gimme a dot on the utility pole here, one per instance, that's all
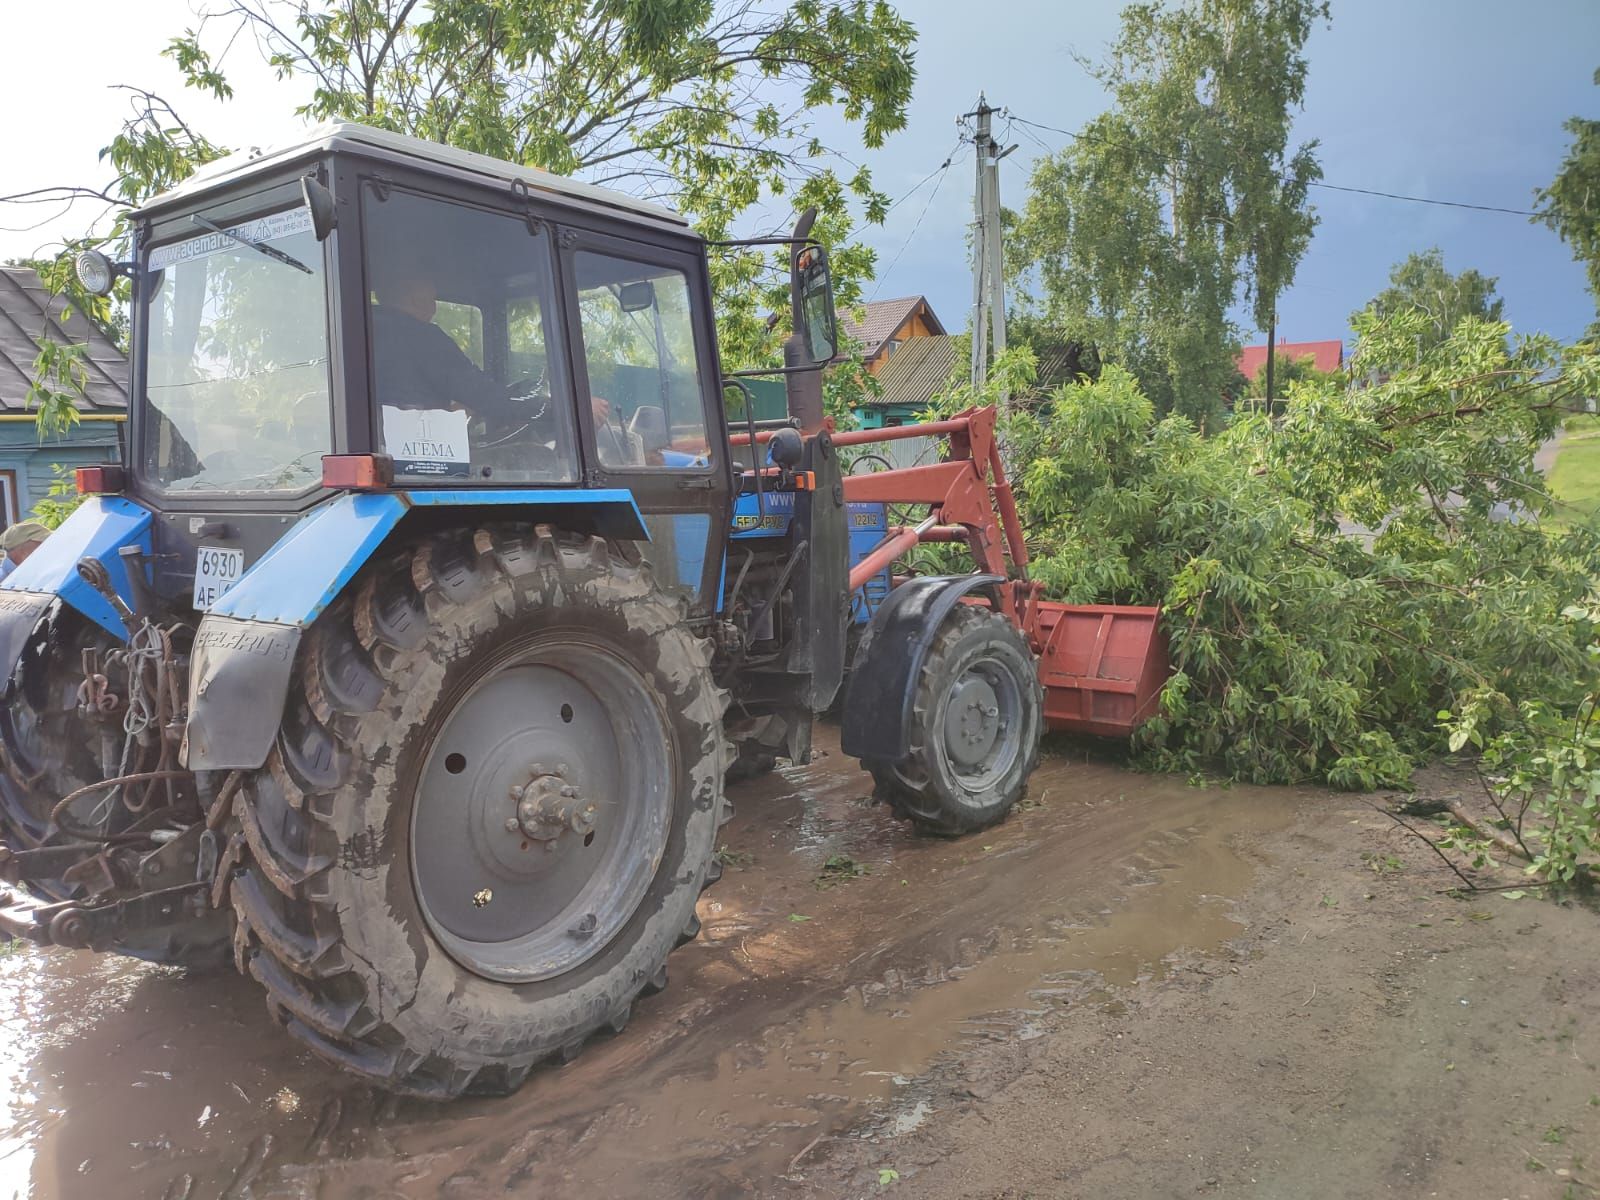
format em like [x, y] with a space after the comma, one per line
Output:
[988, 267]
[1272, 353]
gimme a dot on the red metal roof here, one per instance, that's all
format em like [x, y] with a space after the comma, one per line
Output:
[1325, 356]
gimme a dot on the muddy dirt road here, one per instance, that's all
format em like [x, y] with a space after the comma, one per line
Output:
[1131, 988]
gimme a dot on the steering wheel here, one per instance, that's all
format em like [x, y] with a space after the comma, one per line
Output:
[516, 433]
[522, 409]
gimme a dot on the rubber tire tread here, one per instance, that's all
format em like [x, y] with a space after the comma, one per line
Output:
[298, 934]
[914, 788]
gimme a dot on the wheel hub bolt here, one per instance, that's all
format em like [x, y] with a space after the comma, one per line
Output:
[547, 807]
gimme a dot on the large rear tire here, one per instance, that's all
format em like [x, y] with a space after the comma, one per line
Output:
[975, 725]
[489, 812]
[49, 752]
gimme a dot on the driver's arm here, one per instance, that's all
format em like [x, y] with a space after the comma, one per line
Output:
[457, 377]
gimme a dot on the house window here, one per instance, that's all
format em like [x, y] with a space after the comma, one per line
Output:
[8, 498]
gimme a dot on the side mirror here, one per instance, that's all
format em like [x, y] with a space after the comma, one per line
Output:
[636, 297]
[811, 288]
[649, 425]
[320, 201]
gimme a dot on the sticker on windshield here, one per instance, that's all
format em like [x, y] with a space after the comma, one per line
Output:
[427, 441]
[264, 229]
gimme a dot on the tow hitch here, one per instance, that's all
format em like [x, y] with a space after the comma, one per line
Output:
[94, 925]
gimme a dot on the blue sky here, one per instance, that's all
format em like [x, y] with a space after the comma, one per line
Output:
[1454, 99]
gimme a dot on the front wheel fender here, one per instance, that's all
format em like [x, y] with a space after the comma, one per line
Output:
[883, 677]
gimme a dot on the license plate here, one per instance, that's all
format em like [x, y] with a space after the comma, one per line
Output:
[216, 569]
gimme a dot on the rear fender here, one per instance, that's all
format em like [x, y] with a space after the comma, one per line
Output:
[883, 677]
[245, 647]
[99, 529]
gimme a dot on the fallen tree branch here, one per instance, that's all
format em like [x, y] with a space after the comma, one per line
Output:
[1426, 841]
[1497, 837]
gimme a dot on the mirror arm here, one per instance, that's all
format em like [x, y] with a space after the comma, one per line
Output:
[767, 241]
[761, 372]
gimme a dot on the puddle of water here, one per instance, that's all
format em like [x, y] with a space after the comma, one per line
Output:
[775, 1035]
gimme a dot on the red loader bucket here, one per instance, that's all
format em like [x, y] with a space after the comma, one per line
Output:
[1102, 666]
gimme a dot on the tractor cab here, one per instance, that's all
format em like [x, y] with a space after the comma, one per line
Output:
[366, 310]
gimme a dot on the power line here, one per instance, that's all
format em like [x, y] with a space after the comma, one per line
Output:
[1516, 212]
[942, 167]
[1335, 187]
[943, 171]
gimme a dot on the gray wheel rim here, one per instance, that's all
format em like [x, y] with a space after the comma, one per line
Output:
[542, 811]
[982, 724]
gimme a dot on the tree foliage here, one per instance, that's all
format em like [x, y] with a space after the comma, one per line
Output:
[153, 150]
[703, 104]
[1181, 200]
[1334, 578]
[1421, 284]
[1571, 204]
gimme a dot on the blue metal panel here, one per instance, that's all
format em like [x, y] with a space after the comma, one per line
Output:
[691, 533]
[612, 511]
[868, 523]
[770, 519]
[295, 580]
[299, 577]
[100, 527]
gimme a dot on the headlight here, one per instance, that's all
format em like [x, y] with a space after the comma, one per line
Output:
[95, 272]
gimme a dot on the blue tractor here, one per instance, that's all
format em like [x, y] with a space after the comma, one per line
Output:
[405, 654]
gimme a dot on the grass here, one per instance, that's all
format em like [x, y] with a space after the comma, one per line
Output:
[1575, 477]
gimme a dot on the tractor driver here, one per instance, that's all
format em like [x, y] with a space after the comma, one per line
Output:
[419, 365]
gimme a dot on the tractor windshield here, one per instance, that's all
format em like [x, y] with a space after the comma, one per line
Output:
[236, 382]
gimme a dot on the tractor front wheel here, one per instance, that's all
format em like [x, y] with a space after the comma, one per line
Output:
[489, 813]
[975, 724]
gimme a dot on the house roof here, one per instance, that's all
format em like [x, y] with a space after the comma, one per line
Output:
[915, 372]
[921, 368]
[1326, 356]
[29, 314]
[881, 318]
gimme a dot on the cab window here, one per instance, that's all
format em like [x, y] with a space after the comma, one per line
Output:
[464, 324]
[461, 317]
[644, 375]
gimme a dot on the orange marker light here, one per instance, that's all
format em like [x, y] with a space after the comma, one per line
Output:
[357, 472]
[103, 480]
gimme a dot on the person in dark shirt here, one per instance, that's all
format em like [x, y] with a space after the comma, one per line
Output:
[419, 365]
